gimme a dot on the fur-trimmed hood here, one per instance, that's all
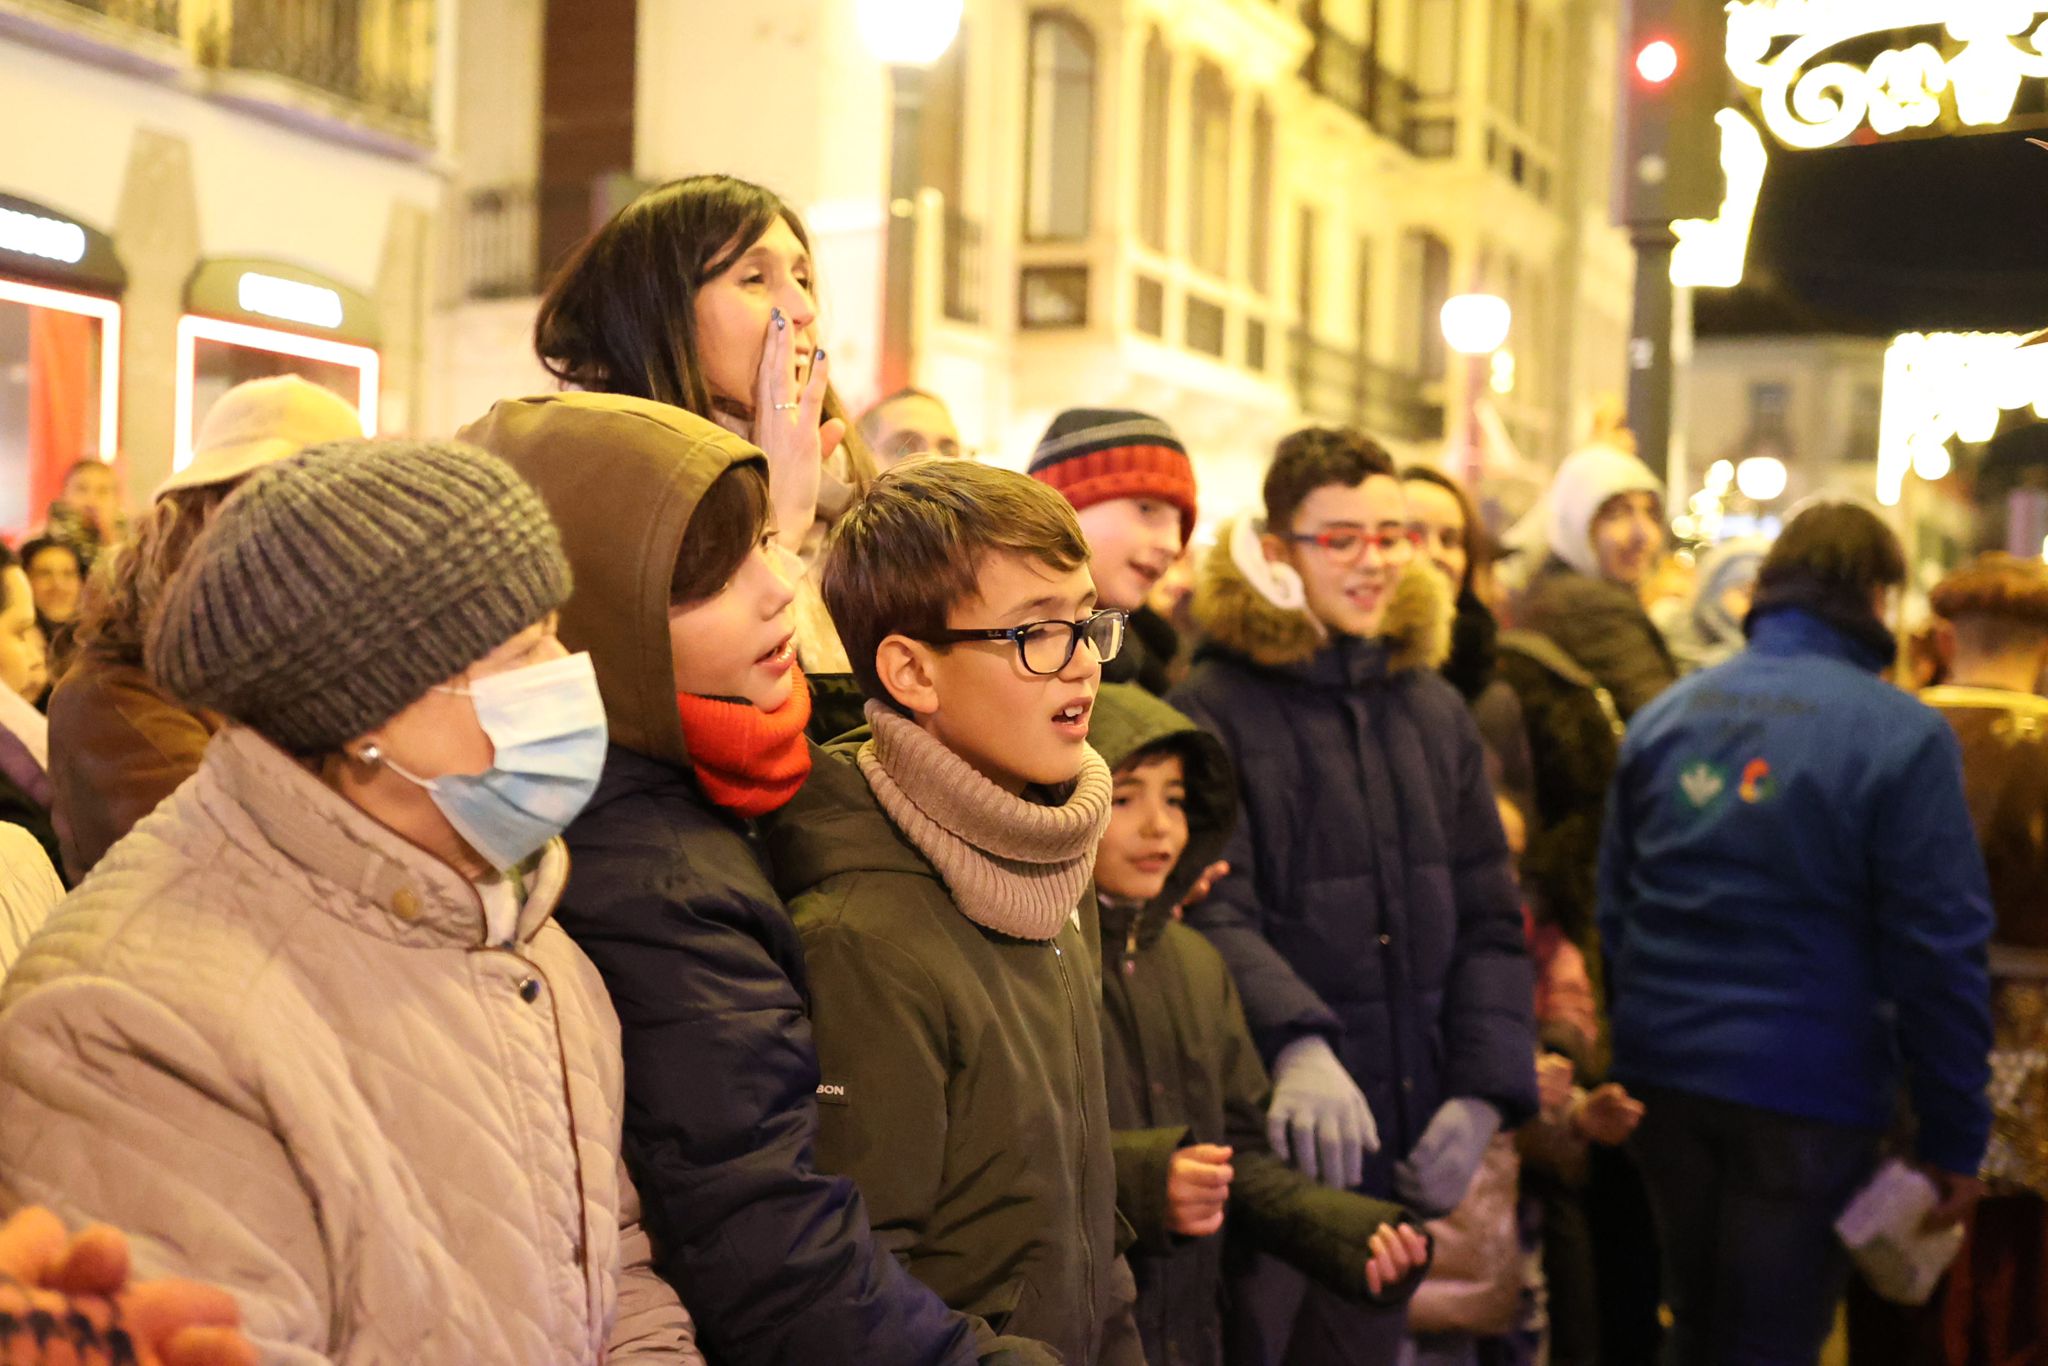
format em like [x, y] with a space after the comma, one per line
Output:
[1251, 606]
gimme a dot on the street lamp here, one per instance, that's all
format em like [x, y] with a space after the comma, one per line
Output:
[906, 36]
[1762, 478]
[908, 32]
[1475, 326]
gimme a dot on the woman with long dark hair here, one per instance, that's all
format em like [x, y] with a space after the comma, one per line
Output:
[702, 294]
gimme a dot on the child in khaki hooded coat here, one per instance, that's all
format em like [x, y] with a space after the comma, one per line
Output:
[687, 614]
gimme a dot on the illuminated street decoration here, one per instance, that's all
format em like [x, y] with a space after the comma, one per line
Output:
[1711, 251]
[1776, 49]
[1948, 385]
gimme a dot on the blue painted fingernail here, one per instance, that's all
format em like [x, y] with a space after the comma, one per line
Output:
[776, 314]
[817, 355]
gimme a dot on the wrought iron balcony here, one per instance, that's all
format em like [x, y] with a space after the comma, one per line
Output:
[379, 56]
[1344, 71]
[1341, 385]
[157, 16]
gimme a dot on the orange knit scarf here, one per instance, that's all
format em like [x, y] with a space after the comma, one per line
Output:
[749, 761]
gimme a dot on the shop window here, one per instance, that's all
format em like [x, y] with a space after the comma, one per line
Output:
[59, 393]
[215, 355]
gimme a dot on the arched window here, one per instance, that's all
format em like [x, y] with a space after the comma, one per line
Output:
[1060, 128]
[1259, 205]
[1209, 172]
[1158, 109]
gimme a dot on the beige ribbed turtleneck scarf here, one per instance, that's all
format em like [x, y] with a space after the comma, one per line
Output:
[1012, 865]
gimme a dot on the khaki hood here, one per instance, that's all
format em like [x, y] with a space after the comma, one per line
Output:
[1254, 608]
[622, 478]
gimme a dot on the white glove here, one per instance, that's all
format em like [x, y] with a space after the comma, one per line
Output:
[1319, 1115]
[1439, 1171]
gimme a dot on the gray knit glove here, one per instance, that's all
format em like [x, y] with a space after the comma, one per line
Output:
[1439, 1171]
[1319, 1118]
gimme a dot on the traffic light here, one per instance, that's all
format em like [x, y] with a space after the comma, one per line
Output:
[1674, 80]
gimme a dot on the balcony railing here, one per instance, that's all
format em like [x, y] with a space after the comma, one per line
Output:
[1343, 70]
[1340, 385]
[379, 56]
[964, 272]
[510, 238]
[157, 16]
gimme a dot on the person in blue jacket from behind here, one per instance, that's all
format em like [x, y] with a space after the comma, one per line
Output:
[1795, 915]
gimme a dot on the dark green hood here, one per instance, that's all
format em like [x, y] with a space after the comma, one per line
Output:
[1126, 720]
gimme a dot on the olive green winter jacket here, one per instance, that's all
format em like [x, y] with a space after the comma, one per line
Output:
[961, 1077]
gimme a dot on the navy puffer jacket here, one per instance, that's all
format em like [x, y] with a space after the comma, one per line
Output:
[1371, 898]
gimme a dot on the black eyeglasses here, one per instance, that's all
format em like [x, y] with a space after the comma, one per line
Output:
[1047, 647]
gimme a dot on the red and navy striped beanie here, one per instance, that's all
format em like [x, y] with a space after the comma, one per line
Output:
[1093, 455]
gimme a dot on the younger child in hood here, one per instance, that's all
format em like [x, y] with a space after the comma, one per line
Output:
[688, 618]
[1187, 1092]
[939, 875]
[1133, 487]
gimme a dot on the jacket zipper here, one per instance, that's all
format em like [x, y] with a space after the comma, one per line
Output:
[1081, 1099]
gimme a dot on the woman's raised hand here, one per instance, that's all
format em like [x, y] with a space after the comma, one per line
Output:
[791, 430]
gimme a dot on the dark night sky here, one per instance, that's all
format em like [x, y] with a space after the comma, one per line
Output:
[1929, 234]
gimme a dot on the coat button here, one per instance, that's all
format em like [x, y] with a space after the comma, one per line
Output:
[529, 990]
[1386, 940]
[406, 904]
[1408, 1084]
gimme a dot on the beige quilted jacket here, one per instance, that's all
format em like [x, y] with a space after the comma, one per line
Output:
[265, 1038]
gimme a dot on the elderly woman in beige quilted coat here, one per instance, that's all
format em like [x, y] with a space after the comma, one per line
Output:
[309, 1031]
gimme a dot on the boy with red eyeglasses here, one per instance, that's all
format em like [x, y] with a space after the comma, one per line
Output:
[1370, 916]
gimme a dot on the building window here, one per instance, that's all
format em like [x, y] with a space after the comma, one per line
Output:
[1259, 205]
[1052, 296]
[1305, 230]
[1151, 307]
[1151, 187]
[1362, 298]
[1543, 77]
[944, 126]
[1209, 173]
[1060, 124]
[1433, 47]
[1428, 270]
[1206, 322]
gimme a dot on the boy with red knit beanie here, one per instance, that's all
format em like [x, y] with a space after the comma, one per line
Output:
[1130, 481]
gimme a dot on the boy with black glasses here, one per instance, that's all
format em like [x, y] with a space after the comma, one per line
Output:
[940, 880]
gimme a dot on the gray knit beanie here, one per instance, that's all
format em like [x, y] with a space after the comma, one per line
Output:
[337, 586]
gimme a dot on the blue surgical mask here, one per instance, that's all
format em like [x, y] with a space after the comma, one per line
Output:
[547, 725]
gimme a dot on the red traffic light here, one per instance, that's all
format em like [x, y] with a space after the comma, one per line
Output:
[1657, 62]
